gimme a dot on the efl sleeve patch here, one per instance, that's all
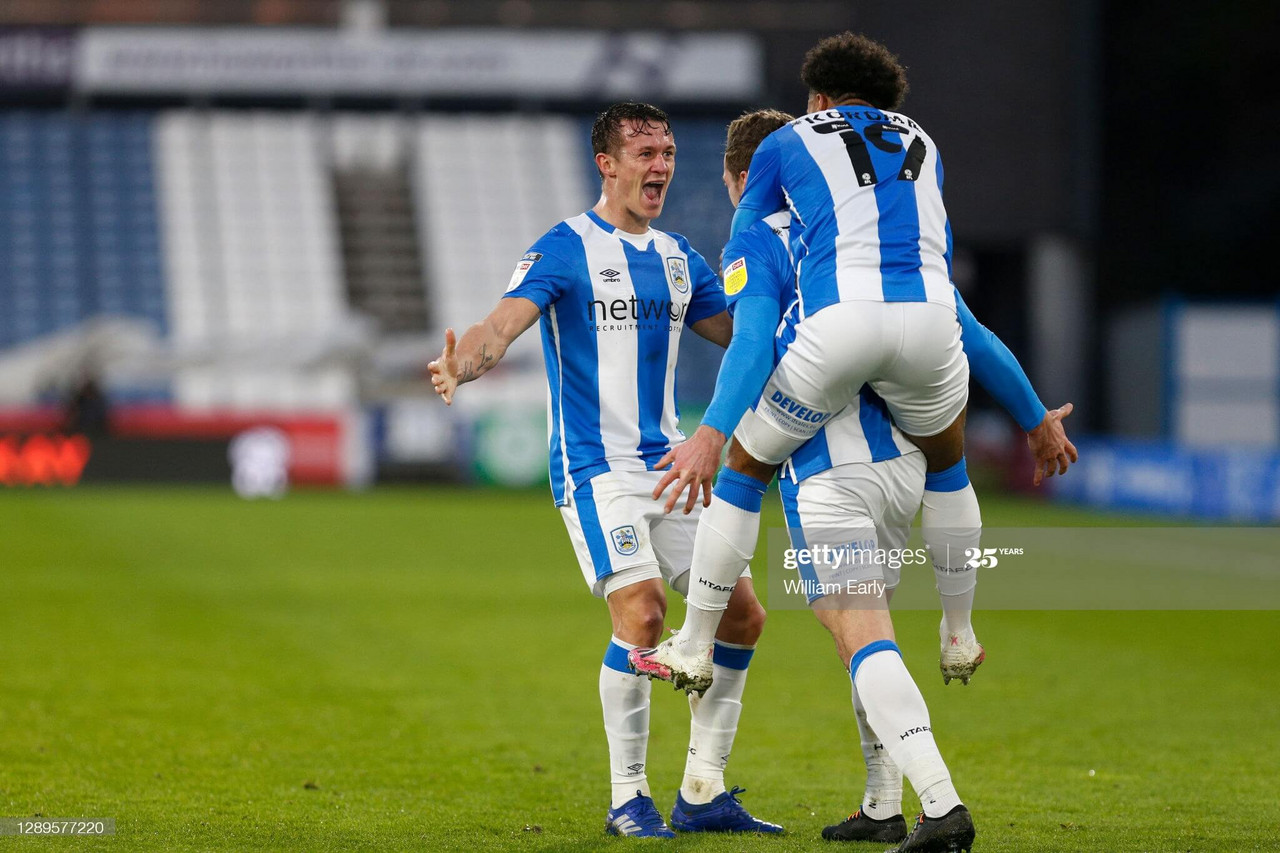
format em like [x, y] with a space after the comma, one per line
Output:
[735, 277]
[522, 269]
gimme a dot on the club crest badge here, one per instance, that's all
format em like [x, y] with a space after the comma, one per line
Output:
[625, 541]
[679, 275]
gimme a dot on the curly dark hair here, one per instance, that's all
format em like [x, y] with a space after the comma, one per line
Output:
[853, 66]
[607, 131]
[746, 132]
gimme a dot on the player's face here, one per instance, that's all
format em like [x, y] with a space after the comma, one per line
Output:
[642, 170]
[735, 184]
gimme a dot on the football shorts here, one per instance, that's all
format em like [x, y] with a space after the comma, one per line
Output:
[621, 535]
[909, 352]
[853, 521]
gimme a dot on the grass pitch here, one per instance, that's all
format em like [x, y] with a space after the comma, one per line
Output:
[416, 669]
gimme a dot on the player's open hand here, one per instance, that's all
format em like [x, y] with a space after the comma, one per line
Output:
[1053, 451]
[693, 465]
[444, 370]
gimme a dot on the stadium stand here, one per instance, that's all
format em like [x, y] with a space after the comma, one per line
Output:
[488, 187]
[78, 227]
[252, 258]
[378, 222]
[251, 239]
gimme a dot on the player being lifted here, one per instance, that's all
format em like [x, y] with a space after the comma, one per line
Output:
[875, 305]
[858, 479]
[614, 295]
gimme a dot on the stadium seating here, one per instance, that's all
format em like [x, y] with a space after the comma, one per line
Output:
[78, 224]
[252, 256]
[381, 255]
[221, 229]
[488, 187]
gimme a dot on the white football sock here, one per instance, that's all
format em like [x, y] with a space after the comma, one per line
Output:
[957, 612]
[624, 696]
[896, 711]
[951, 524]
[714, 724]
[883, 795]
[722, 550]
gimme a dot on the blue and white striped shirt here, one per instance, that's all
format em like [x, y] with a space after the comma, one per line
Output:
[866, 184]
[613, 307]
[758, 265]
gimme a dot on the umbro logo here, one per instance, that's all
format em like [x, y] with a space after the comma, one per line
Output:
[635, 768]
[609, 274]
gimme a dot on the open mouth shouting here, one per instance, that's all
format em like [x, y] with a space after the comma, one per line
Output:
[653, 191]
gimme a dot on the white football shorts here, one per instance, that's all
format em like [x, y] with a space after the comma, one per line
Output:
[622, 536]
[854, 521]
[909, 352]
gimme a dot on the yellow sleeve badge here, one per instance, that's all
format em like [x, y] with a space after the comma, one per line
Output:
[735, 277]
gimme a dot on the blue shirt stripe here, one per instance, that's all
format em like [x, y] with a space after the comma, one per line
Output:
[876, 426]
[899, 231]
[554, 378]
[812, 457]
[580, 387]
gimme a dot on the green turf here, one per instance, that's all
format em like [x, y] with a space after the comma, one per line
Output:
[416, 669]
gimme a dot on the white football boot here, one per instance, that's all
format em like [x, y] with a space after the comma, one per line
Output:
[669, 662]
[961, 656]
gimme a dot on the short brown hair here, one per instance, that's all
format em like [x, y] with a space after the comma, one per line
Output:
[607, 132]
[746, 132]
[854, 66]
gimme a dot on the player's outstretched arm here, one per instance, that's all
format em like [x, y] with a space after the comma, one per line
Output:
[997, 370]
[482, 346]
[1053, 451]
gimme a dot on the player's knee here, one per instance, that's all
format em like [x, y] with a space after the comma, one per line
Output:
[638, 612]
[645, 623]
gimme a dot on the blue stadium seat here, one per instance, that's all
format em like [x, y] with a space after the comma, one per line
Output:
[79, 229]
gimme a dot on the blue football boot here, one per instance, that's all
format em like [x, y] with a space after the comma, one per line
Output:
[723, 814]
[637, 817]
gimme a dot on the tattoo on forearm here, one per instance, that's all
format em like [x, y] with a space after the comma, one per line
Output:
[469, 370]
